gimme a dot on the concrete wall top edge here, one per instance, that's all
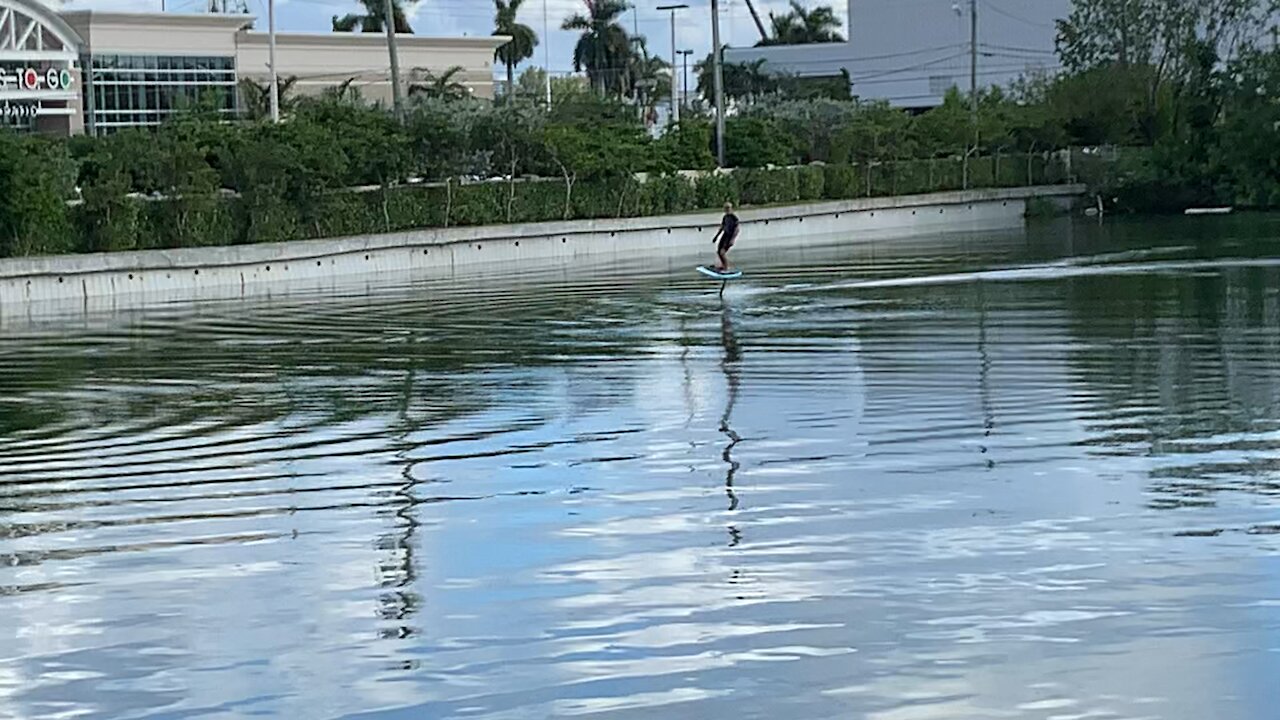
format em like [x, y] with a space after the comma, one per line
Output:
[245, 255]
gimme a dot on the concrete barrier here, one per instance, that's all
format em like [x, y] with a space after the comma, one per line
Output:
[32, 286]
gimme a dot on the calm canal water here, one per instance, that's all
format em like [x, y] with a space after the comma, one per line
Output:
[999, 475]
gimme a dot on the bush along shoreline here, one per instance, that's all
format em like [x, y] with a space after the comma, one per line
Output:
[196, 183]
[113, 224]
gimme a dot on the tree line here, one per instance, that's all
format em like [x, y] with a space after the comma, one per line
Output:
[1193, 86]
[342, 166]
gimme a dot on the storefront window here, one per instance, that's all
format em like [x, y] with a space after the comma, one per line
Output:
[143, 90]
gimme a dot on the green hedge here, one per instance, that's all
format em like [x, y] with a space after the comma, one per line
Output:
[108, 220]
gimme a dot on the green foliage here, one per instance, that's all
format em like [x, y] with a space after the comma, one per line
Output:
[764, 187]
[667, 194]
[715, 189]
[109, 218]
[753, 142]
[802, 26]
[841, 182]
[440, 138]
[811, 183]
[604, 47]
[442, 86]
[1250, 131]
[523, 39]
[596, 151]
[373, 19]
[35, 181]
[686, 146]
[370, 140]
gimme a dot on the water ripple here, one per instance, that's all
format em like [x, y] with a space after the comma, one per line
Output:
[1023, 475]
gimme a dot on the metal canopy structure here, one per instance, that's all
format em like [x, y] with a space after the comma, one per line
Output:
[38, 77]
[30, 31]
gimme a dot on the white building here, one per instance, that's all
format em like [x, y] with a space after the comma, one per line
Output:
[68, 72]
[910, 52]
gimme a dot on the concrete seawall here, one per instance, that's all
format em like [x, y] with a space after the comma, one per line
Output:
[34, 286]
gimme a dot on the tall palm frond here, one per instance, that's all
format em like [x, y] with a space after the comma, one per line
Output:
[523, 38]
[373, 19]
[444, 86]
[604, 47]
[802, 26]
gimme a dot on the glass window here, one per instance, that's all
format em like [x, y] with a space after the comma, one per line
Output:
[138, 90]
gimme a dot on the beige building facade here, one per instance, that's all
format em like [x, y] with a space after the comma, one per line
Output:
[96, 72]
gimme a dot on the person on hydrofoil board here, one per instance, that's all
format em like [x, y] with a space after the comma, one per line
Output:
[725, 237]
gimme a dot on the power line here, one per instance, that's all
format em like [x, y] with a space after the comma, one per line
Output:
[862, 58]
[1000, 11]
[1037, 51]
[990, 71]
[906, 69]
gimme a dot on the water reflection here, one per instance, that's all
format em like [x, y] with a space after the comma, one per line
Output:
[731, 366]
[1022, 475]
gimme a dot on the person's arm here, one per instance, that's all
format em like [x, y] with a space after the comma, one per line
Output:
[716, 238]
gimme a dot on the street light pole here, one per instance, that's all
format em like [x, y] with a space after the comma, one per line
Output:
[684, 86]
[271, 60]
[719, 80]
[675, 106]
[397, 104]
[973, 60]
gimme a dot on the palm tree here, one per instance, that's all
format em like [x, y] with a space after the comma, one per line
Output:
[742, 81]
[523, 39]
[647, 76]
[255, 97]
[802, 26]
[604, 48]
[373, 19]
[343, 92]
[443, 86]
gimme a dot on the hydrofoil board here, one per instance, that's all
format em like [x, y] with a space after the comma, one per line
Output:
[717, 275]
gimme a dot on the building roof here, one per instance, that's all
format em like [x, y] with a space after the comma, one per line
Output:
[233, 22]
[33, 30]
[491, 42]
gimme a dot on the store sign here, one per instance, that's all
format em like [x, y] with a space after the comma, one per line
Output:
[11, 111]
[33, 80]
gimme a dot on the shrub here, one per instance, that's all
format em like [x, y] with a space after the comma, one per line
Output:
[752, 142]
[35, 181]
[811, 183]
[766, 187]
[667, 194]
[841, 182]
[715, 189]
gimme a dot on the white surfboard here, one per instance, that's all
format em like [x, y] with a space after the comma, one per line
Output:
[717, 275]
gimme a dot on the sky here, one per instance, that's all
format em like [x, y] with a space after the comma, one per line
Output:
[475, 17]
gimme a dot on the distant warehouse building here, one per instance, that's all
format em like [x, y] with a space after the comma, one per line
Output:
[89, 71]
[911, 53]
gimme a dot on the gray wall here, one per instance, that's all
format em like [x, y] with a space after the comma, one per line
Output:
[48, 286]
[910, 51]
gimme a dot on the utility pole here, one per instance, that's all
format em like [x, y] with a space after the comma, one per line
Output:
[675, 105]
[716, 58]
[396, 102]
[973, 61]
[685, 85]
[271, 60]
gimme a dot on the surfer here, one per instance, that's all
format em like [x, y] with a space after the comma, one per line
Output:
[725, 237]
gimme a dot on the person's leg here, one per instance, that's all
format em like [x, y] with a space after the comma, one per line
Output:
[722, 252]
